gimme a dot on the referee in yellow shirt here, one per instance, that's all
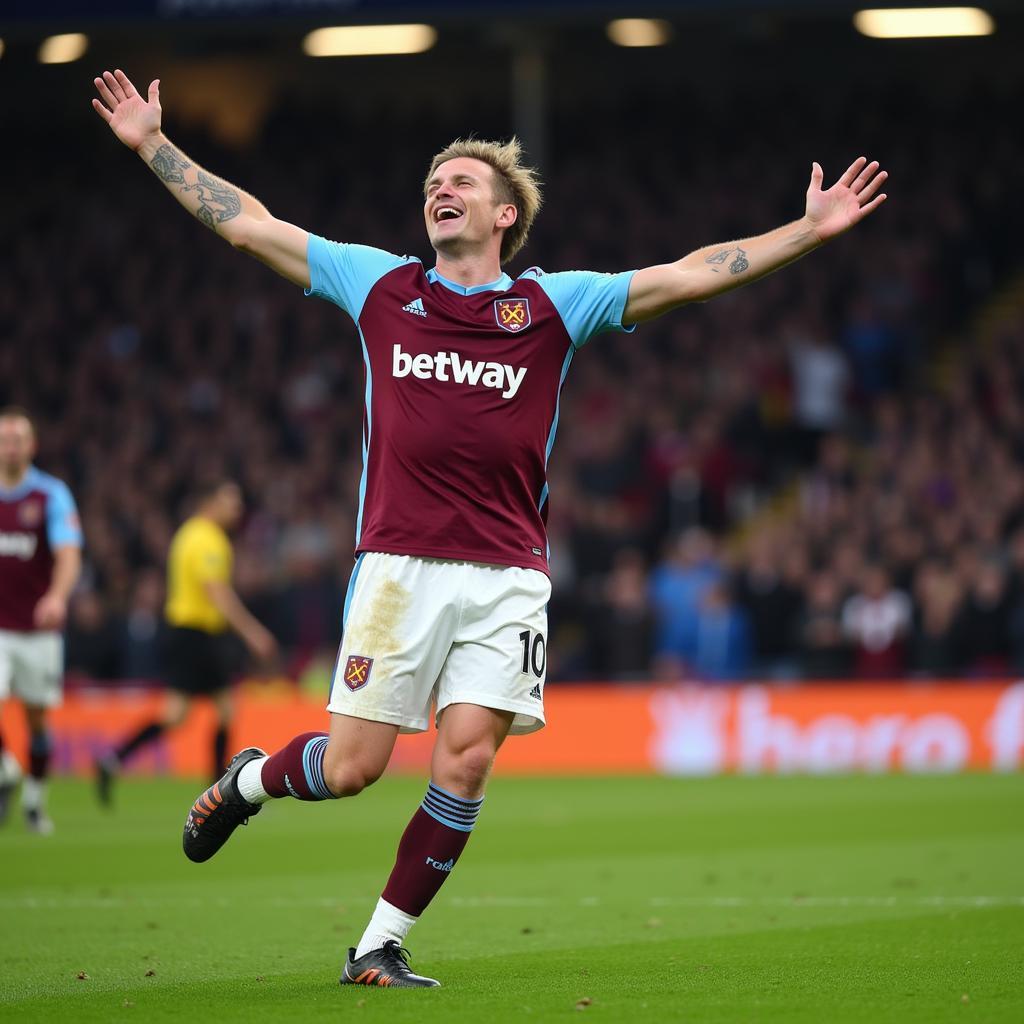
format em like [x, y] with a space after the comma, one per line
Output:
[201, 608]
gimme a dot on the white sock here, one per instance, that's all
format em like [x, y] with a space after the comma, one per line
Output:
[33, 793]
[10, 769]
[250, 781]
[387, 923]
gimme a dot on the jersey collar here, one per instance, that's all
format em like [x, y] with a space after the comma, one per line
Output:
[502, 284]
[28, 483]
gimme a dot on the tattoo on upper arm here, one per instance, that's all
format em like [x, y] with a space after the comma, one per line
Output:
[168, 164]
[738, 265]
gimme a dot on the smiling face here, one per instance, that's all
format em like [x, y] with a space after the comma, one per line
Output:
[461, 210]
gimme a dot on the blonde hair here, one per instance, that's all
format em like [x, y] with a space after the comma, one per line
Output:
[513, 183]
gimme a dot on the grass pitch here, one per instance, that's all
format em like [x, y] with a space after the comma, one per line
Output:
[725, 900]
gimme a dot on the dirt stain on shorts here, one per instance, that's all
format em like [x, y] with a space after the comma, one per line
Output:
[377, 632]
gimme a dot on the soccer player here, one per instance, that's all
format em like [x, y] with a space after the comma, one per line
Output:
[463, 369]
[40, 559]
[201, 608]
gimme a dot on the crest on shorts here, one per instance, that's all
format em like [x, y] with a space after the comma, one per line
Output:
[357, 672]
[30, 513]
[512, 315]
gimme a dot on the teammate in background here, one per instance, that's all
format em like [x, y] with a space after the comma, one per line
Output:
[464, 368]
[201, 608]
[40, 559]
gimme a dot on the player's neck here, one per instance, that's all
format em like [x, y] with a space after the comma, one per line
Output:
[9, 479]
[470, 269]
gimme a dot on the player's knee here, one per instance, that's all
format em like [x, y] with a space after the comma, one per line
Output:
[347, 778]
[465, 772]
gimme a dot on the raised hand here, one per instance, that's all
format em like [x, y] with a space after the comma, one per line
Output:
[848, 201]
[131, 118]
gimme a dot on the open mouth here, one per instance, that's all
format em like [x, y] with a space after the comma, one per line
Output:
[445, 213]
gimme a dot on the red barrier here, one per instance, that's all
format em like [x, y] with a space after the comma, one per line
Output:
[598, 729]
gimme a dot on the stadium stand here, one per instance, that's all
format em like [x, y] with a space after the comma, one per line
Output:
[819, 475]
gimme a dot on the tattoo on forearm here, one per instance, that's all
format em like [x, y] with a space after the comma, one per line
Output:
[738, 265]
[218, 201]
[168, 164]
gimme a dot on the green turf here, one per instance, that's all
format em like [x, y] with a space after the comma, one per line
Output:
[729, 900]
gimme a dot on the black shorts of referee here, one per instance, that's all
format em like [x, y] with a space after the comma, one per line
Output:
[195, 661]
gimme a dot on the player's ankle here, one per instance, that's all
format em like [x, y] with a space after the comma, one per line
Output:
[250, 782]
[388, 923]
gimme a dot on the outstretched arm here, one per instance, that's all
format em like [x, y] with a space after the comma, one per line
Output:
[720, 268]
[233, 214]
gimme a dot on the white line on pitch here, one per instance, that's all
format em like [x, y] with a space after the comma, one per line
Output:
[756, 901]
[471, 902]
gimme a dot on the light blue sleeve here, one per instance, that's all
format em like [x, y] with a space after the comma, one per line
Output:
[344, 273]
[587, 302]
[62, 525]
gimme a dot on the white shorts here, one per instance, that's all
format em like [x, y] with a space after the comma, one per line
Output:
[32, 667]
[428, 631]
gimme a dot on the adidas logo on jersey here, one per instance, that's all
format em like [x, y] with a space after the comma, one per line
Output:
[445, 366]
[416, 306]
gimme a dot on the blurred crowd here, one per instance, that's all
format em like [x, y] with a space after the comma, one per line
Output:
[821, 475]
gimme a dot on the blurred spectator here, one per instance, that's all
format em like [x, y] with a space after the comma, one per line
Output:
[93, 645]
[721, 643]
[677, 587]
[876, 620]
[820, 382]
[141, 650]
[824, 649]
[772, 607]
[986, 622]
[622, 619]
[937, 645]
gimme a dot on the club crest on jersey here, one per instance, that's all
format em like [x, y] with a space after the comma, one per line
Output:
[357, 672]
[30, 513]
[512, 315]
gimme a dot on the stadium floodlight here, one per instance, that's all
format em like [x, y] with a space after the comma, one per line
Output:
[63, 49]
[367, 40]
[923, 22]
[639, 31]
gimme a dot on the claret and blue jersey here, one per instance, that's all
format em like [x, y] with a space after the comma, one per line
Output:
[462, 395]
[36, 516]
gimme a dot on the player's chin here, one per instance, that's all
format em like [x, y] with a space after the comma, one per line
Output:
[447, 228]
[444, 233]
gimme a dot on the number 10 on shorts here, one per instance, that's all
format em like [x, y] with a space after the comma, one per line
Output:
[534, 652]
